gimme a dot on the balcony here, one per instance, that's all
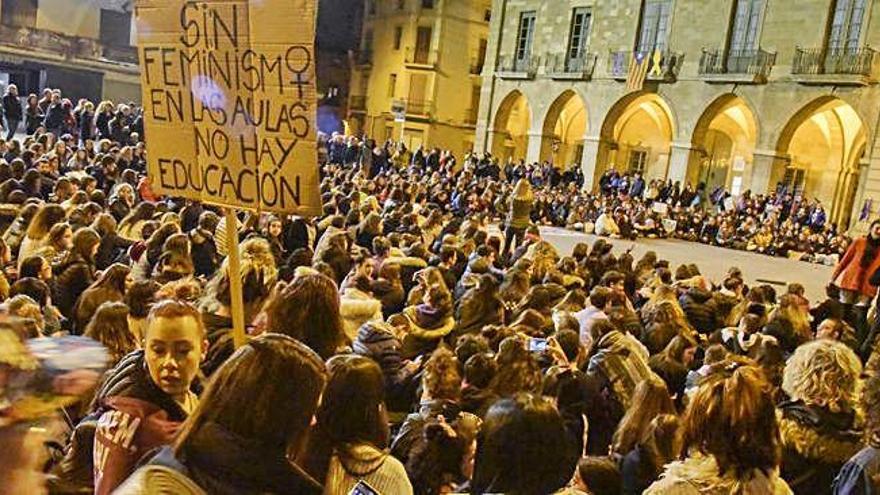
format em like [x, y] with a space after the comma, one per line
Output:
[663, 66]
[736, 66]
[847, 67]
[64, 46]
[563, 67]
[421, 59]
[517, 68]
[357, 103]
[470, 116]
[419, 108]
[364, 58]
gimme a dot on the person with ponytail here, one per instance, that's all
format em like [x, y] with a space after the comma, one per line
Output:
[729, 437]
[853, 276]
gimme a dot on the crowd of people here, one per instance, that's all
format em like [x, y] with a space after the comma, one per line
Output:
[397, 345]
[782, 223]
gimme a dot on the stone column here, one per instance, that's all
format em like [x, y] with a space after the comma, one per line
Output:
[768, 168]
[533, 152]
[589, 161]
[680, 157]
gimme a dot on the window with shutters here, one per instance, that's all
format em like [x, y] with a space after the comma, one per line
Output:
[654, 30]
[846, 25]
[581, 20]
[746, 26]
[525, 35]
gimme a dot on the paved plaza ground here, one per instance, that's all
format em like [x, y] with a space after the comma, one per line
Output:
[712, 261]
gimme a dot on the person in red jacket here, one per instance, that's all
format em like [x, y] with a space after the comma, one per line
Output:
[146, 415]
[853, 276]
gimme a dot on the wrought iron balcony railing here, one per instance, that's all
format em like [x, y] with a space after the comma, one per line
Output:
[517, 68]
[737, 65]
[68, 47]
[561, 66]
[421, 58]
[836, 65]
[419, 107]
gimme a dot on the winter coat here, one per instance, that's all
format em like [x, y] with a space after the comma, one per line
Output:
[815, 445]
[72, 277]
[390, 295]
[425, 333]
[859, 476]
[143, 417]
[621, 363]
[356, 308]
[518, 217]
[110, 250]
[12, 108]
[700, 310]
[376, 468]
[203, 252]
[476, 311]
[849, 273]
[220, 341]
[698, 475]
[380, 345]
[213, 463]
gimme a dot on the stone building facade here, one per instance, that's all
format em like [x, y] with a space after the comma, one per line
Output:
[84, 47]
[743, 94]
[423, 59]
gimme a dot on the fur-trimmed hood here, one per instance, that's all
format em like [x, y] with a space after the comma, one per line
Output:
[699, 474]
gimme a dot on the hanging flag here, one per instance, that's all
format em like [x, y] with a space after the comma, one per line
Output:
[638, 71]
[866, 210]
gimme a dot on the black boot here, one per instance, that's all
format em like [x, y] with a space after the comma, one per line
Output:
[860, 318]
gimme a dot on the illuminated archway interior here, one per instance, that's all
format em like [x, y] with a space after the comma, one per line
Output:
[511, 139]
[823, 154]
[725, 143]
[564, 129]
[640, 137]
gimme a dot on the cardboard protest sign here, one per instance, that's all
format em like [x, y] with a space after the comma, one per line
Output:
[229, 101]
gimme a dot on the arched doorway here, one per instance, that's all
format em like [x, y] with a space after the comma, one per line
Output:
[822, 145]
[511, 128]
[564, 127]
[724, 142]
[637, 137]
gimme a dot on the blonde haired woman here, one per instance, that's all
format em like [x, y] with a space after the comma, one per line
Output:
[102, 119]
[518, 216]
[37, 236]
[818, 423]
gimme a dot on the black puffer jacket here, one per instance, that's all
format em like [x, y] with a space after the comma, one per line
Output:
[72, 277]
[700, 309]
[375, 341]
[816, 443]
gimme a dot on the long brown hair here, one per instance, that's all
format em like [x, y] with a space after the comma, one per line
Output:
[352, 411]
[650, 399]
[307, 309]
[733, 418]
[109, 326]
[47, 216]
[247, 398]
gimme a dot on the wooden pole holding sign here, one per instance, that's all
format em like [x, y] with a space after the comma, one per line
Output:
[234, 271]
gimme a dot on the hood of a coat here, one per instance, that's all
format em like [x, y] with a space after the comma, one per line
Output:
[701, 472]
